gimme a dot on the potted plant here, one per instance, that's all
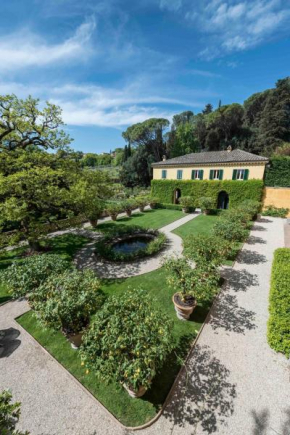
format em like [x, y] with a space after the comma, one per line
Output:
[207, 248]
[66, 302]
[27, 276]
[206, 204]
[153, 202]
[128, 206]
[193, 285]
[187, 204]
[142, 201]
[113, 209]
[128, 341]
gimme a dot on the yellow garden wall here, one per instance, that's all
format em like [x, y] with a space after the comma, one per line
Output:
[277, 196]
[255, 171]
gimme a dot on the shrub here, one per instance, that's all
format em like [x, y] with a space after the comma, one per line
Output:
[279, 308]
[250, 207]
[128, 206]
[113, 209]
[67, 300]
[153, 201]
[200, 283]
[187, 202]
[278, 174]
[9, 415]
[105, 247]
[270, 210]
[238, 215]
[206, 203]
[207, 249]
[142, 201]
[128, 340]
[27, 276]
[230, 230]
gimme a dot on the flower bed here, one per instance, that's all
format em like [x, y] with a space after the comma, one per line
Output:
[106, 247]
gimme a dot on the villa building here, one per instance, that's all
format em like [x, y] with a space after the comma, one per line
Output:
[214, 165]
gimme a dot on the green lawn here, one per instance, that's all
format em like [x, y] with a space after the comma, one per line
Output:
[130, 412]
[65, 245]
[149, 219]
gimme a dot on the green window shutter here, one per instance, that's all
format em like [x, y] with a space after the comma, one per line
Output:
[221, 174]
[246, 175]
[211, 174]
[235, 174]
[193, 174]
[201, 174]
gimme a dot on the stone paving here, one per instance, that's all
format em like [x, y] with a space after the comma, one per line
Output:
[234, 384]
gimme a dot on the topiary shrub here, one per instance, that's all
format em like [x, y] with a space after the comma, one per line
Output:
[9, 415]
[27, 276]
[279, 308]
[207, 249]
[187, 204]
[206, 204]
[67, 300]
[128, 206]
[128, 340]
[113, 209]
[270, 210]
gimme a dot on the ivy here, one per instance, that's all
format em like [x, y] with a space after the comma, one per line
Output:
[238, 191]
[278, 174]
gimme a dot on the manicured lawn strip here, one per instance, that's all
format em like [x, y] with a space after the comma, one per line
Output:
[154, 219]
[131, 412]
[66, 245]
[203, 224]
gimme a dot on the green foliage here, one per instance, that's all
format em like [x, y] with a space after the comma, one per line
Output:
[250, 207]
[206, 203]
[238, 215]
[27, 276]
[128, 340]
[270, 210]
[23, 124]
[67, 300]
[200, 283]
[278, 324]
[105, 247]
[249, 190]
[9, 414]
[206, 248]
[228, 229]
[278, 174]
[187, 202]
[113, 209]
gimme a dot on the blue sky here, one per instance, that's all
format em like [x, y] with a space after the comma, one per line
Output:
[113, 63]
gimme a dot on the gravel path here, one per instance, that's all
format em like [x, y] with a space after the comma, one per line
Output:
[287, 233]
[234, 384]
[85, 257]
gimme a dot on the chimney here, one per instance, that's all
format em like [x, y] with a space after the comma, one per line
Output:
[229, 149]
[164, 158]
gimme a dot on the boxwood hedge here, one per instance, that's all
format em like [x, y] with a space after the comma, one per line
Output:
[279, 324]
[238, 191]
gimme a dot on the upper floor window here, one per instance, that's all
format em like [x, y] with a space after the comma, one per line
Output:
[240, 174]
[179, 174]
[197, 174]
[216, 174]
[164, 174]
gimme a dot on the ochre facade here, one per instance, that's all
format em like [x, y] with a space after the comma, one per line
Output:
[256, 170]
[277, 196]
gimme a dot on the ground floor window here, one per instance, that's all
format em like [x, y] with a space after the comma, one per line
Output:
[197, 174]
[240, 174]
[216, 174]
[164, 174]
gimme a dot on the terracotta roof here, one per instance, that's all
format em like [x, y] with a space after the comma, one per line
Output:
[235, 156]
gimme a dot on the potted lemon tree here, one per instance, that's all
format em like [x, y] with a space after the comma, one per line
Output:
[187, 204]
[128, 341]
[193, 285]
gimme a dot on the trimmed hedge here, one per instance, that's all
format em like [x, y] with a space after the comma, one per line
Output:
[279, 321]
[238, 191]
[278, 174]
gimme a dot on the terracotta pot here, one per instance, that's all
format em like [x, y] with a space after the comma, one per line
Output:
[183, 312]
[206, 212]
[185, 209]
[128, 213]
[75, 339]
[133, 393]
[152, 206]
[114, 217]
[141, 208]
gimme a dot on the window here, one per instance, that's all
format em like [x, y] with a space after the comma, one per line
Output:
[240, 174]
[197, 174]
[164, 174]
[216, 174]
[179, 174]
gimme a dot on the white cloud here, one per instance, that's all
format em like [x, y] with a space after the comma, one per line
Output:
[203, 73]
[171, 5]
[23, 49]
[233, 25]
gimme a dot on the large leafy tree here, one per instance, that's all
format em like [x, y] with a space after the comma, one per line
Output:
[24, 124]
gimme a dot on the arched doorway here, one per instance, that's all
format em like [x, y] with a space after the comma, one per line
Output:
[223, 200]
[176, 196]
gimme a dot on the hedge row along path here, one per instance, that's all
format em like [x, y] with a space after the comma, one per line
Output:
[86, 258]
